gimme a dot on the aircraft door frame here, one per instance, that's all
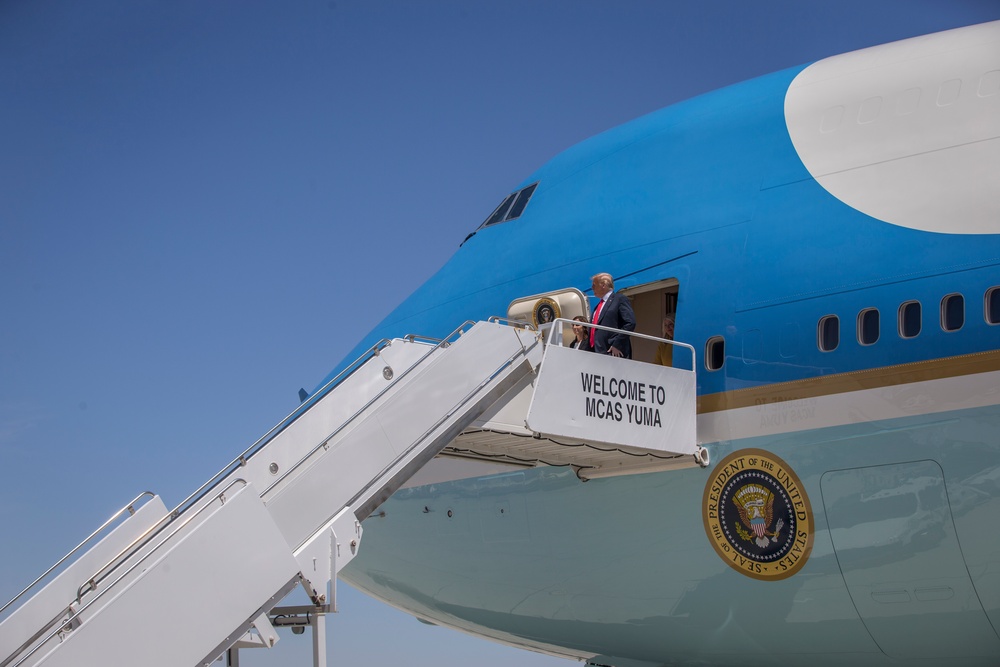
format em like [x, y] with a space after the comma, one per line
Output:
[897, 547]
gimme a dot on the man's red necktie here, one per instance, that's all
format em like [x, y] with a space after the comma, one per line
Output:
[597, 316]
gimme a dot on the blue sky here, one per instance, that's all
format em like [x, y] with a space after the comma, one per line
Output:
[205, 204]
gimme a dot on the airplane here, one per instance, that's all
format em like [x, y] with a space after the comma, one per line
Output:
[826, 238]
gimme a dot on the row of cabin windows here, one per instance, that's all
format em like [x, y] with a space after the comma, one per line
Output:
[909, 320]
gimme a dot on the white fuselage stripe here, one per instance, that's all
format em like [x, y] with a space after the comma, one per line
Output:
[854, 407]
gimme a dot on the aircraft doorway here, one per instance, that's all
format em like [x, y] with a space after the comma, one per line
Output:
[652, 303]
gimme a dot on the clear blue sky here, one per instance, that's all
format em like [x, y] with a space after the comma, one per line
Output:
[188, 187]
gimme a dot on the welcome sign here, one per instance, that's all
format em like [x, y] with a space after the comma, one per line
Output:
[622, 402]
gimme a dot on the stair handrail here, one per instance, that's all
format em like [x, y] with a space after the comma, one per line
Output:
[441, 344]
[441, 420]
[91, 584]
[66, 625]
[94, 584]
[287, 421]
[206, 488]
[520, 324]
[130, 508]
[413, 338]
[261, 442]
[237, 463]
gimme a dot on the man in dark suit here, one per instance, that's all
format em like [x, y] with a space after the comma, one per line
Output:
[613, 310]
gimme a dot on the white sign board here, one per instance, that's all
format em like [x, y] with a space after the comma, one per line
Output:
[621, 402]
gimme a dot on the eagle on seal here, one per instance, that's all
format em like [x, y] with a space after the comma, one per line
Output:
[755, 504]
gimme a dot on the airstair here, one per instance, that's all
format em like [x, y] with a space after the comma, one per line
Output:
[602, 416]
[287, 512]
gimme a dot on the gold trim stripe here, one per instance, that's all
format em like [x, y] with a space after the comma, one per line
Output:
[875, 378]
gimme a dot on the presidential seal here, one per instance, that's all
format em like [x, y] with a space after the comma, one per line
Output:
[546, 311]
[757, 515]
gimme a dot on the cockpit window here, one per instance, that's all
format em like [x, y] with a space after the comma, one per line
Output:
[500, 212]
[522, 200]
[512, 207]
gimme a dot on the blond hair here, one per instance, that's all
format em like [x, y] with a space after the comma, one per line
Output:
[605, 279]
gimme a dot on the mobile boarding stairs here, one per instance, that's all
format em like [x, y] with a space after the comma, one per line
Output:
[288, 511]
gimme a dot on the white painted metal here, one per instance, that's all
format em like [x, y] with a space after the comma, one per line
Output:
[389, 441]
[290, 446]
[544, 419]
[265, 631]
[203, 583]
[287, 511]
[318, 623]
[632, 405]
[628, 404]
[40, 615]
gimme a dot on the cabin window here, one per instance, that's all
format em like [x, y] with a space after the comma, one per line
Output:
[715, 353]
[868, 326]
[512, 206]
[992, 305]
[952, 312]
[828, 333]
[909, 319]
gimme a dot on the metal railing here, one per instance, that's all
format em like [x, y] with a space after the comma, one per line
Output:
[262, 441]
[71, 614]
[93, 582]
[441, 421]
[555, 335]
[130, 508]
[520, 324]
[441, 343]
[237, 463]
[204, 490]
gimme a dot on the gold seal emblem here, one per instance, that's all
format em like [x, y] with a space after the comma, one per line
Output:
[757, 515]
[546, 311]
